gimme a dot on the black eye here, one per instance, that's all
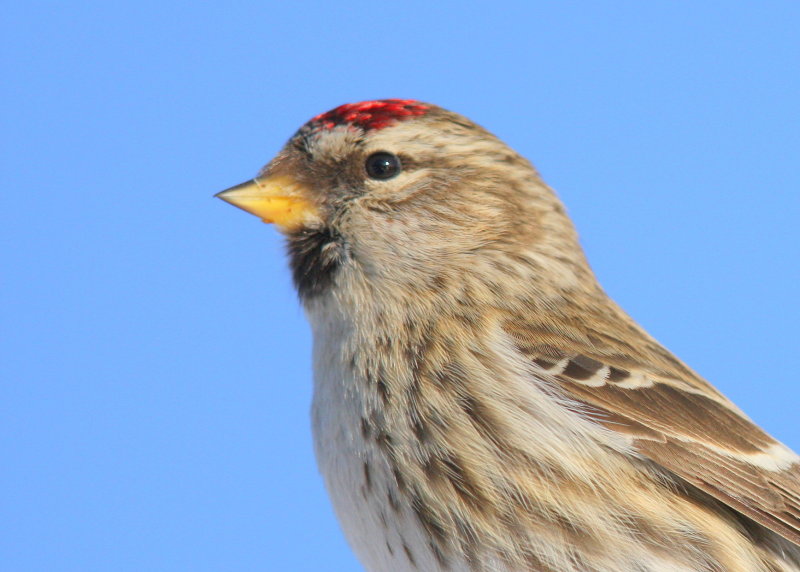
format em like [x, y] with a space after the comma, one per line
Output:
[382, 165]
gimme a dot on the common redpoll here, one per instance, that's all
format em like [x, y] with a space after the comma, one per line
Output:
[480, 403]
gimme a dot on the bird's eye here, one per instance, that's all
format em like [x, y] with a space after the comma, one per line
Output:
[382, 165]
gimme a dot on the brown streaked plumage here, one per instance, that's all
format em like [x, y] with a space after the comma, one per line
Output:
[480, 403]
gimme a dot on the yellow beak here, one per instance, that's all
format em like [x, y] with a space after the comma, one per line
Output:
[278, 199]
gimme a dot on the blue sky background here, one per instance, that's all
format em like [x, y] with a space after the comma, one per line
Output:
[154, 376]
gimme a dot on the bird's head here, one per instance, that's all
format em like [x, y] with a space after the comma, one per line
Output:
[399, 193]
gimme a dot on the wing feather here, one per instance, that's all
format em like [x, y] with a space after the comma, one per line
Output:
[681, 423]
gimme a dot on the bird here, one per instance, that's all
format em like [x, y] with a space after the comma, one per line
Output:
[480, 403]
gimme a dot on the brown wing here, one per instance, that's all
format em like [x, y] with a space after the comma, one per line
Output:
[681, 423]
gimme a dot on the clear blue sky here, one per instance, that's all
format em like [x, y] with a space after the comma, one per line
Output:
[154, 376]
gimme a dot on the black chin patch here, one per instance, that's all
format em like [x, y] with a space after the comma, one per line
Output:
[315, 257]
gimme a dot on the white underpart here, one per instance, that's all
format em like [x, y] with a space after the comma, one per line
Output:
[341, 452]
[377, 534]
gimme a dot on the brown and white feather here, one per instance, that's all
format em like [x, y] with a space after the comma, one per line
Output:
[480, 403]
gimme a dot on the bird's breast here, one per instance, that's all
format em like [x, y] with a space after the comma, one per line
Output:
[352, 457]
